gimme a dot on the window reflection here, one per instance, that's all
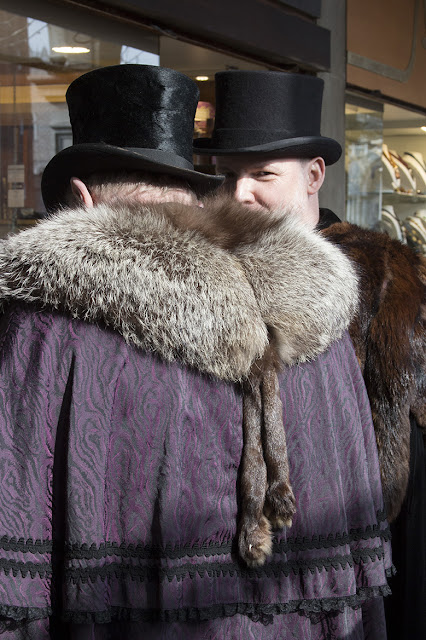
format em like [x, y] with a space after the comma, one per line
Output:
[38, 60]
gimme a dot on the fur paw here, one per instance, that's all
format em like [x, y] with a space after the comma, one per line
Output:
[280, 505]
[255, 544]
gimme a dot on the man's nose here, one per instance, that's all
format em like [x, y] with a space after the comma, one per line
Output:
[244, 190]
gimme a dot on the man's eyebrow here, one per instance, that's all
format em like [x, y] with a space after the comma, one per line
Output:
[262, 164]
[252, 167]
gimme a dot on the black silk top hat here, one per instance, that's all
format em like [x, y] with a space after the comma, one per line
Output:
[128, 118]
[268, 112]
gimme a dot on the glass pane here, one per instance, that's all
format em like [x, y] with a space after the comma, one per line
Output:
[364, 140]
[38, 61]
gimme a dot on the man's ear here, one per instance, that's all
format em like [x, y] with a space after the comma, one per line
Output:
[81, 192]
[316, 175]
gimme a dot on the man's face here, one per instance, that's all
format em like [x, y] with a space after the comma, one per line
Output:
[268, 185]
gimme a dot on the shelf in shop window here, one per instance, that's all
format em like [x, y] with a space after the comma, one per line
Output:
[403, 198]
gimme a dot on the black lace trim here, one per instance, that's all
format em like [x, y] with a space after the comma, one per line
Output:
[257, 612]
[208, 550]
[86, 552]
[24, 613]
[147, 552]
[108, 549]
[339, 539]
[25, 546]
[43, 569]
[175, 552]
[217, 569]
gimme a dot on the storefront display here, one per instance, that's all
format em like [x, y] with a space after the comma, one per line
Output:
[390, 224]
[415, 231]
[402, 179]
[386, 171]
[417, 166]
[42, 51]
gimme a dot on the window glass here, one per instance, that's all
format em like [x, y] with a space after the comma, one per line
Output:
[39, 59]
[386, 169]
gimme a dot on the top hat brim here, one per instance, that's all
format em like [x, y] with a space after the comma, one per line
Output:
[300, 147]
[82, 160]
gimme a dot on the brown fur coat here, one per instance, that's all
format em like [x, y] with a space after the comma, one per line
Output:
[389, 335]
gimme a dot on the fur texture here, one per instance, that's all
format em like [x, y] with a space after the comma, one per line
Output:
[267, 499]
[208, 287]
[305, 291]
[389, 335]
[173, 291]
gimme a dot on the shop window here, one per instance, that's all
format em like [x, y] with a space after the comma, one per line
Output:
[37, 63]
[386, 169]
[63, 139]
[364, 139]
[404, 175]
[38, 60]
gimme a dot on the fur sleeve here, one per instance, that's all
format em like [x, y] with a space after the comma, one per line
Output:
[389, 335]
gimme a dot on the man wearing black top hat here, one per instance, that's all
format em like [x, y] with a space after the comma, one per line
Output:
[267, 140]
[268, 145]
[133, 323]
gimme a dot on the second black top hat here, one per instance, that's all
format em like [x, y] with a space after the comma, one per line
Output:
[268, 111]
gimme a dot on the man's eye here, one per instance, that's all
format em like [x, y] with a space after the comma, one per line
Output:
[263, 174]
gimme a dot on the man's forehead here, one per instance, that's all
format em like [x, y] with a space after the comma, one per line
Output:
[253, 161]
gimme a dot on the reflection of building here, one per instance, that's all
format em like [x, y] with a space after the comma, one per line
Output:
[35, 72]
[204, 119]
[44, 45]
[384, 102]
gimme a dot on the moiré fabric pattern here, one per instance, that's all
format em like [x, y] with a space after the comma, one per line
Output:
[140, 459]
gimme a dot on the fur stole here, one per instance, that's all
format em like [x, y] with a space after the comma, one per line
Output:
[221, 289]
[389, 336]
[205, 296]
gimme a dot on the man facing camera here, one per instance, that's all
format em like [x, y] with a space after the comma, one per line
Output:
[268, 145]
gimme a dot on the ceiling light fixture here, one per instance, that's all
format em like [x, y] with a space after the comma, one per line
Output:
[201, 78]
[70, 50]
[423, 128]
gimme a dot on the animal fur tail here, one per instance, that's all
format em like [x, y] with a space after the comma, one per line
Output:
[267, 499]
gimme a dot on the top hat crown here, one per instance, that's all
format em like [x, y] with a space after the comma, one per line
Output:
[268, 111]
[128, 118]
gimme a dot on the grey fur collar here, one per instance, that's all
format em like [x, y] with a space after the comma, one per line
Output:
[173, 290]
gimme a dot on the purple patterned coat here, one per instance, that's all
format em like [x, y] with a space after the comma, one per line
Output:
[119, 461]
